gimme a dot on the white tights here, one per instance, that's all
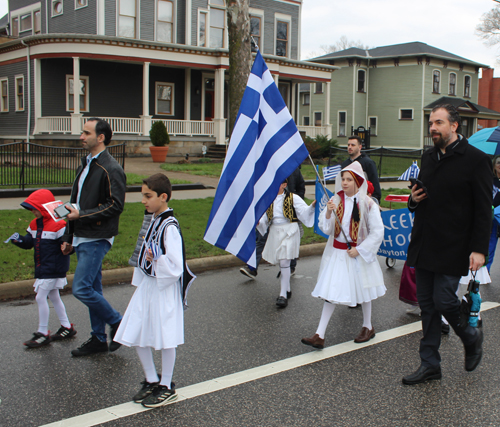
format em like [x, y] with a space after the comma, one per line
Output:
[328, 310]
[44, 311]
[285, 276]
[167, 365]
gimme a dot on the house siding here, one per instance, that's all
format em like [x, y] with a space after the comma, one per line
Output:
[147, 20]
[79, 21]
[195, 6]
[12, 122]
[167, 75]
[110, 18]
[180, 22]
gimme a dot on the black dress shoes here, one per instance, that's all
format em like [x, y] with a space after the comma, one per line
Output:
[281, 302]
[474, 352]
[422, 374]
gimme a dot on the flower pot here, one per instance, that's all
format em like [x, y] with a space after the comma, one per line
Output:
[159, 154]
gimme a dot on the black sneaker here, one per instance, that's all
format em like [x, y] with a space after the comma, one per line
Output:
[91, 346]
[248, 272]
[113, 345]
[161, 395]
[63, 333]
[281, 302]
[38, 340]
[145, 391]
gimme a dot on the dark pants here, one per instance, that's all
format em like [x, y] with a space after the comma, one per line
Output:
[436, 294]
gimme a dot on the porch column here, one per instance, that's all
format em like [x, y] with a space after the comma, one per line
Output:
[38, 93]
[76, 117]
[188, 22]
[219, 122]
[327, 110]
[293, 106]
[146, 118]
[276, 78]
[187, 92]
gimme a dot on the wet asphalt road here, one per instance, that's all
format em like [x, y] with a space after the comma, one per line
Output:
[233, 325]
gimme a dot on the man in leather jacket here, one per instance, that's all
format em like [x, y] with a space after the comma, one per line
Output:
[99, 194]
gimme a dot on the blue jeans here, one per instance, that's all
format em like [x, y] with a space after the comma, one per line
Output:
[87, 286]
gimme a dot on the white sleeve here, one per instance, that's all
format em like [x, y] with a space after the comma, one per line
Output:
[327, 226]
[369, 247]
[305, 213]
[263, 224]
[169, 267]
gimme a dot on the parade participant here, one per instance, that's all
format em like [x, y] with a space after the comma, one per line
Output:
[155, 315]
[99, 193]
[349, 276]
[450, 236]
[283, 242]
[51, 266]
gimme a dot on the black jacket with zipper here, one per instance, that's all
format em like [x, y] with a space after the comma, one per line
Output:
[101, 200]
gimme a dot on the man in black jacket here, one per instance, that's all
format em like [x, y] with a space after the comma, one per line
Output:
[450, 236]
[99, 193]
[369, 167]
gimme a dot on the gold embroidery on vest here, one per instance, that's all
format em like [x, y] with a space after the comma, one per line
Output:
[288, 210]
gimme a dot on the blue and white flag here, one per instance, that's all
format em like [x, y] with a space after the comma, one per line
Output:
[331, 172]
[411, 172]
[321, 201]
[398, 224]
[264, 150]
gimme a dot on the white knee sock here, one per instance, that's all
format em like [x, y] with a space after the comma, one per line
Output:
[326, 314]
[59, 308]
[43, 311]
[367, 314]
[285, 277]
[146, 357]
[167, 366]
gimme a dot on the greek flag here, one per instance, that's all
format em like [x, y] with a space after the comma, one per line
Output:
[264, 150]
[411, 172]
[330, 172]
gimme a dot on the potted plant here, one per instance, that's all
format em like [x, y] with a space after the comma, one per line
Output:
[160, 140]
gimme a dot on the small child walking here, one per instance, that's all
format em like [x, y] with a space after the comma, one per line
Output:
[51, 266]
[155, 315]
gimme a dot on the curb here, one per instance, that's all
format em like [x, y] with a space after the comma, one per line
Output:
[24, 288]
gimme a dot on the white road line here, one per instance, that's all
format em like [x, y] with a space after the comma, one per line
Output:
[227, 381]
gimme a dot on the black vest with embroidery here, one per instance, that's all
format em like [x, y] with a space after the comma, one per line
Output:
[288, 209]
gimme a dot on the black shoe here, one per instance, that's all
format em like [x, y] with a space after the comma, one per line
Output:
[474, 352]
[38, 340]
[145, 391]
[248, 272]
[288, 294]
[422, 374]
[91, 346]
[281, 302]
[113, 345]
[161, 395]
[445, 328]
[63, 333]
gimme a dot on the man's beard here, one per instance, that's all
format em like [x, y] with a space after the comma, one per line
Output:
[440, 143]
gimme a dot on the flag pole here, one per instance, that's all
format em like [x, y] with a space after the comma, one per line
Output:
[326, 194]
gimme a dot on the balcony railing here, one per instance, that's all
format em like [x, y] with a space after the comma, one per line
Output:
[188, 127]
[53, 125]
[314, 131]
[122, 125]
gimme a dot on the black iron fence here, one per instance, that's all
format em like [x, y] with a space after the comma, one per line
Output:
[23, 164]
[390, 162]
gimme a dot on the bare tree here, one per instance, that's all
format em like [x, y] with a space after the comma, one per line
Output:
[342, 44]
[489, 27]
[240, 54]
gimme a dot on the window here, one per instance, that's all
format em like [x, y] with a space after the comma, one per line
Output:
[217, 27]
[80, 3]
[126, 18]
[281, 38]
[467, 87]
[202, 30]
[4, 95]
[164, 26]
[406, 114]
[319, 87]
[19, 93]
[373, 125]
[37, 27]
[305, 120]
[57, 8]
[82, 91]
[436, 79]
[306, 100]
[255, 32]
[361, 80]
[15, 27]
[342, 122]
[318, 118]
[453, 84]
[165, 98]
[26, 22]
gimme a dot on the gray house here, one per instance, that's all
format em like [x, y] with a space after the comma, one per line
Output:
[134, 62]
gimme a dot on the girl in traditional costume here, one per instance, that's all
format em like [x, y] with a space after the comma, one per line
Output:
[349, 276]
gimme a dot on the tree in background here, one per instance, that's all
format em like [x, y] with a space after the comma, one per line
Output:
[342, 44]
[240, 54]
[489, 27]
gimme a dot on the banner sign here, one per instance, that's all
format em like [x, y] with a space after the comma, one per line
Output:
[398, 224]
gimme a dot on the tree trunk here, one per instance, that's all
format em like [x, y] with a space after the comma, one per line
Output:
[240, 54]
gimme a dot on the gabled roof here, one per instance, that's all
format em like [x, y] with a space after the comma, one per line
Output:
[462, 106]
[396, 51]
